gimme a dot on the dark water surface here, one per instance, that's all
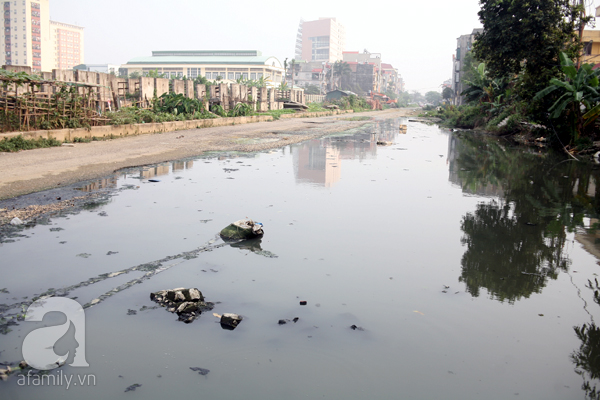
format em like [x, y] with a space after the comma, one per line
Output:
[465, 263]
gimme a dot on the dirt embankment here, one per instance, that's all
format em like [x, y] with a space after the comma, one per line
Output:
[36, 170]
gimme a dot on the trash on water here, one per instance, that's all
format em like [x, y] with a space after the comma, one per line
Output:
[16, 221]
[201, 371]
[242, 229]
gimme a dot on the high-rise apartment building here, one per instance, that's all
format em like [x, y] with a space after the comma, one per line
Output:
[322, 40]
[67, 44]
[31, 39]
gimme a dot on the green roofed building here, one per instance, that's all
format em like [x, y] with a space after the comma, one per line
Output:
[227, 64]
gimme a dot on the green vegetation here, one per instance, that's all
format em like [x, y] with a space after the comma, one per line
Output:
[352, 102]
[276, 114]
[433, 97]
[134, 115]
[316, 107]
[18, 143]
[522, 75]
[177, 104]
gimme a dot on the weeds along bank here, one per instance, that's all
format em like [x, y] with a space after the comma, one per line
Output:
[563, 114]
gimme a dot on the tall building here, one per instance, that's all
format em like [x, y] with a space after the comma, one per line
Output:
[322, 40]
[464, 44]
[298, 48]
[68, 44]
[30, 38]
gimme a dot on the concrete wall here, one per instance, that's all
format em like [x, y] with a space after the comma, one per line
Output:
[178, 86]
[189, 89]
[115, 131]
[146, 88]
[162, 86]
[133, 85]
[314, 98]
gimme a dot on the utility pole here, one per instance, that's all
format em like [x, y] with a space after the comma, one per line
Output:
[581, 27]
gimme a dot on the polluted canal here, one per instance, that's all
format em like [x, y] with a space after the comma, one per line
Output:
[433, 265]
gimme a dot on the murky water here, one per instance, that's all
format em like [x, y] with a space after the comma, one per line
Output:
[464, 262]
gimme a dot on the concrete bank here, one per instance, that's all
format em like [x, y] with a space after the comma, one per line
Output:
[116, 131]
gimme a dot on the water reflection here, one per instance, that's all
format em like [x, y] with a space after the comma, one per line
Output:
[319, 161]
[106, 183]
[587, 357]
[515, 242]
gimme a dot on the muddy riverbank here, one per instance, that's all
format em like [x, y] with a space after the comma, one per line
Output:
[35, 170]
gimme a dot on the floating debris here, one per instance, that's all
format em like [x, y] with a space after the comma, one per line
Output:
[83, 255]
[356, 328]
[201, 371]
[132, 387]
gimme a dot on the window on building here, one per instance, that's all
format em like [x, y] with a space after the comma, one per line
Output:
[259, 75]
[238, 75]
[230, 76]
[253, 76]
[208, 75]
[245, 75]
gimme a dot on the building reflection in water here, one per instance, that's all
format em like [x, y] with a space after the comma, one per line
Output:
[105, 183]
[319, 161]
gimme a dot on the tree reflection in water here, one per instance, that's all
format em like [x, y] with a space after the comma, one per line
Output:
[515, 242]
[587, 358]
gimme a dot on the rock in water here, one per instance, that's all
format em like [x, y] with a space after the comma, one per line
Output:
[187, 303]
[242, 229]
[230, 321]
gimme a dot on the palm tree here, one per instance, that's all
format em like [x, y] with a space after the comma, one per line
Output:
[341, 68]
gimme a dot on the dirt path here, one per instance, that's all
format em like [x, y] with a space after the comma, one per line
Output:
[36, 170]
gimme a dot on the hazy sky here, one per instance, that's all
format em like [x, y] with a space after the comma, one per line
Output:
[418, 36]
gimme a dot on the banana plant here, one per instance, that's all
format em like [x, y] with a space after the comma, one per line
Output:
[579, 97]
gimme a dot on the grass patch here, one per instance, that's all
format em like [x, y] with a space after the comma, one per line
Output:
[18, 143]
[316, 107]
[276, 114]
[357, 119]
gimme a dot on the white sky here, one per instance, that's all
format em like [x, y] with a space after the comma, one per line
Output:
[416, 36]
